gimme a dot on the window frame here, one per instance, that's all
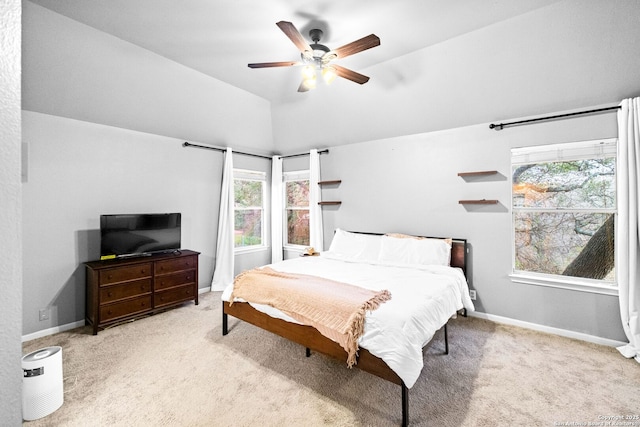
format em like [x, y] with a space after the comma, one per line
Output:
[260, 176]
[299, 175]
[556, 280]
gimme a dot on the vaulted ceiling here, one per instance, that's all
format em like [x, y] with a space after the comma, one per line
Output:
[219, 38]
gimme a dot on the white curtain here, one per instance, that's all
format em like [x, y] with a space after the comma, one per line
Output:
[628, 230]
[277, 209]
[223, 272]
[316, 239]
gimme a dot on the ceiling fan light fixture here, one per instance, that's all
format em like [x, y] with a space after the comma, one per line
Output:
[309, 84]
[329, 74]
[309, 77]
[309, 72]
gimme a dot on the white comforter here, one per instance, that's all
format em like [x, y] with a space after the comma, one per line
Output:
[422, 301]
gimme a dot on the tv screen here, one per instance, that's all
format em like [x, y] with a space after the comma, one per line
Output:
[139, 234]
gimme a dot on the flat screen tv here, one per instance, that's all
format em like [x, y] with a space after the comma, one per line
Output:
[125, 235]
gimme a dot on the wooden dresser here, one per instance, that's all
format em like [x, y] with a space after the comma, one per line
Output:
[124, 289]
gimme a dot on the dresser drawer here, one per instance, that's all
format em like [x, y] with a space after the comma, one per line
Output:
[175, 279]
[125, 308]
[177, 264]
[123, 274]
[124, 290]
[171, 296]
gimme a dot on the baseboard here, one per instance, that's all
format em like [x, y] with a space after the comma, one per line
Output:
[548, 329]
[491, 317]
[51, 331]
[78, 324]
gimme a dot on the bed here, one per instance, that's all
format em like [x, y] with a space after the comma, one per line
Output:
[425, 276]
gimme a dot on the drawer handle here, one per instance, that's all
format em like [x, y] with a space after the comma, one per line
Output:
[109, 312]
[109, 276]
[143, 271]
[142, 287]
[188, 277]
[109, 294]
[142, 304]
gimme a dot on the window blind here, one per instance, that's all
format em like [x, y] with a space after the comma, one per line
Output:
[600, 148]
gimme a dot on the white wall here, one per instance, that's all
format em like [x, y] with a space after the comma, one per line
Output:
[568, 55]
[75, 71]
[79, 170]
[409, 184]
[10, 216]
[104, 121]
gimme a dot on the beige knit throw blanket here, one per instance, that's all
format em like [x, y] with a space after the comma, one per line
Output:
[337, 310]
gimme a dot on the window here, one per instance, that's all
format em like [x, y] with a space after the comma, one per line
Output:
[564, 213]
[249, 189]
[296, 187]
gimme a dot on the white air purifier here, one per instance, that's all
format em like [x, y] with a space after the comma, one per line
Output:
[42, 386]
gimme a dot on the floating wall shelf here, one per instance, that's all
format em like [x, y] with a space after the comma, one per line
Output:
[479, 173]
[478, 202]
[330, 182]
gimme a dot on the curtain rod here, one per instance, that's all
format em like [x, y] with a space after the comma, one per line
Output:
[501, 126]
[325, 151]
[211, 147]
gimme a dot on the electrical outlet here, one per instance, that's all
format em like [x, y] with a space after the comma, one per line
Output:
[472, 294]
[44, 314]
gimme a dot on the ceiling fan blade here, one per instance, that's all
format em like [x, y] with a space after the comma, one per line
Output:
[358, 46]
[294, 35]
[350, 74]
[273, 64]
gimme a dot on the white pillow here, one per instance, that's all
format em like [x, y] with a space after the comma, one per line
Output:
[423, 251]
[355, 246]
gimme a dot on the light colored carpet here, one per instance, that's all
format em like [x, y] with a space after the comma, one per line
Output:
[176, 369]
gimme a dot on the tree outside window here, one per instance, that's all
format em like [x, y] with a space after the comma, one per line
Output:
[564, 208]
[297, 208]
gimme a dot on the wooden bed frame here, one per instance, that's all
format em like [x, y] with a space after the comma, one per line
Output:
[313, 340]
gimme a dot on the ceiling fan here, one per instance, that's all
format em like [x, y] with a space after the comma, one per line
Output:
[318, 57]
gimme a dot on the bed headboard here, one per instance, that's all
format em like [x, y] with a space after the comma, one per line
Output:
[459, 254]
[458, 250]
